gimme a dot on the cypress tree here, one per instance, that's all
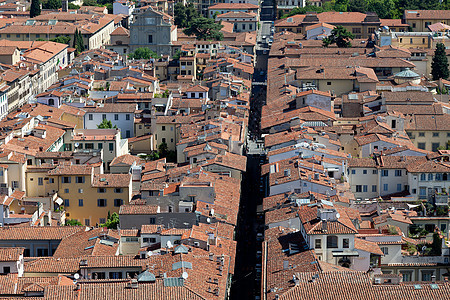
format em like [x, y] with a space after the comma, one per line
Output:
[439, 65]
[35, 8]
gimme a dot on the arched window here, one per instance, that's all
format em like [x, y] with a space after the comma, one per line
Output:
[332, 241]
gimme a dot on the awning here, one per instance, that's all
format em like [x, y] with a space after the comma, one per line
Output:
[59, 201]
[345, 253]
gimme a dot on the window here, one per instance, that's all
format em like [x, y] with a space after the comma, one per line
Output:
[438, 177]
[364, 188]
[103, 116]
[374, 172]
[42, 252]
[374, 188]
[80, 202]
[398, 173]
[356, 30]
[163, 140]
[328, 82]
[435, 134]
[353, 172]
[101, 190]
[65, 179]
[434, 146]
[385, 187]
[345, 243]
[80, 191]
[152, 220]
[51, 180]
[98, 275]
[423, 177]
[385, 250]
[426, 275]
[332, 241]
[66, 191]
[150, 39]
[79, 179]
[87, 222]
[127, 117]
[163, 128]
[407, 275]
[317, 244]
[101, 203]
[115, 275]
[40, 181]
[100, 145]
[399, 187]
[118, 202]
[128, 134]
[116, 117]
[66, 202]
[111, 146]
[89, 146]
[421, 146]
[422, 134]
[15, 184]
[364, 172]
[384, 173]
[6, 270]
[422, 191]
[430, 176]
[149, 240]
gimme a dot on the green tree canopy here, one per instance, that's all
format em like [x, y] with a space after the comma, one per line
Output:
[112, 222]
[184, 14]
[73, 222]
[339, 36]
[143, 53]
[35, 8]
[63, 39]
[52, 4]
[439, 65]
[78, 42]
[106, 124]
[204, 29]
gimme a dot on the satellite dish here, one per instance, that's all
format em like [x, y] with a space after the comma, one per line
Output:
[76, 145]
[169, 244]
[185, 275]
[338, 216]
[76, 276]
[208, 220]
[212, 211]
[424, 248]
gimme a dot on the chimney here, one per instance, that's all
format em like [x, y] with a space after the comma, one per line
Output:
[433, 278]
[324, 226]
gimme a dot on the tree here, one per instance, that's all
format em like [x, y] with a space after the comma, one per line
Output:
[106, 124]
[73, 6]
[63, 39]
[143, 53]
[112, 222]
[436, 246]
[339, 36]
[73, 222]
[52, 4]
[35, 8]
[439, 65]
[357, 6]
[204, 29]
[184, 14]
[78, 42]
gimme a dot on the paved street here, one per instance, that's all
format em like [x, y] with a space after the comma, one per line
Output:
[247, 278]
